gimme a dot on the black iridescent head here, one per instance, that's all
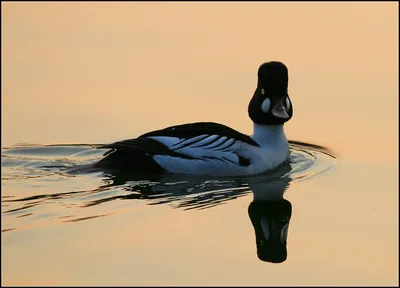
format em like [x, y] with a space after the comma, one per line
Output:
[271, 104]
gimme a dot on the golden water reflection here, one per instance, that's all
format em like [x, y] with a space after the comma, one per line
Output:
[99, 72]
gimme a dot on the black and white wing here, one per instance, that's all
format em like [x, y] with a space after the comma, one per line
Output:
[189, 148]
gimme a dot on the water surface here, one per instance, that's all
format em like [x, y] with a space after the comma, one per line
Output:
[101, 72]
[62, 183]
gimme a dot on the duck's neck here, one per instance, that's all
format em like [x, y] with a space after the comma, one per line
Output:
[269, 134]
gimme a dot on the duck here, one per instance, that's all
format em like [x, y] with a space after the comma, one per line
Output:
[208, 148]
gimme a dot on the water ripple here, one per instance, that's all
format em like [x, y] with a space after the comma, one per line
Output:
[43, 184]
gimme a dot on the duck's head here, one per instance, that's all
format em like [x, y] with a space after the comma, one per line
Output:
[271, 104]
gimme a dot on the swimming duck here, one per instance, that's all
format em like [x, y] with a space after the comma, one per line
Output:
[207, 148]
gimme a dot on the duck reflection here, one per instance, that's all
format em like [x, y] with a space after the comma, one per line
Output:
[269, 212]
[270, 215]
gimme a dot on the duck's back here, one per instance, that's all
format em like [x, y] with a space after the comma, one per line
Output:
[196, 148]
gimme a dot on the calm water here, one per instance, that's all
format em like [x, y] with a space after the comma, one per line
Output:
[64, 169]
[100, 72]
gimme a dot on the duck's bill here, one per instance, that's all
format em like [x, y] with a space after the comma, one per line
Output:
[273, 247]
[279, 111]
[271, 223]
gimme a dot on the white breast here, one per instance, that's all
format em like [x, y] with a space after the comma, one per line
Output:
[273, 150]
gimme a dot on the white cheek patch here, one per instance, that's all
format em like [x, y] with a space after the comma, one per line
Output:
[266, 105]
[265, 227]
[287, 103]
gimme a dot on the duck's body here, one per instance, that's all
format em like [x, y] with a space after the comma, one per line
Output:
[208, 148]
[201, 148]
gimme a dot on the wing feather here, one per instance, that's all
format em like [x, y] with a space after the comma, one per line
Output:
[189, 131]
[218, 142]
[227, 145]
[196, 142]
[207, 141]
[190, 141]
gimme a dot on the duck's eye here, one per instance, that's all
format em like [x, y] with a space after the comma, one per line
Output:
[287, 103]
[266, 105]
[262, 91]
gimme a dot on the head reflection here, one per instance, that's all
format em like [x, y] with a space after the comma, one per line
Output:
[269, 212]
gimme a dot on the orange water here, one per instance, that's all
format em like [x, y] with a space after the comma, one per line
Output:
[98, 72]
